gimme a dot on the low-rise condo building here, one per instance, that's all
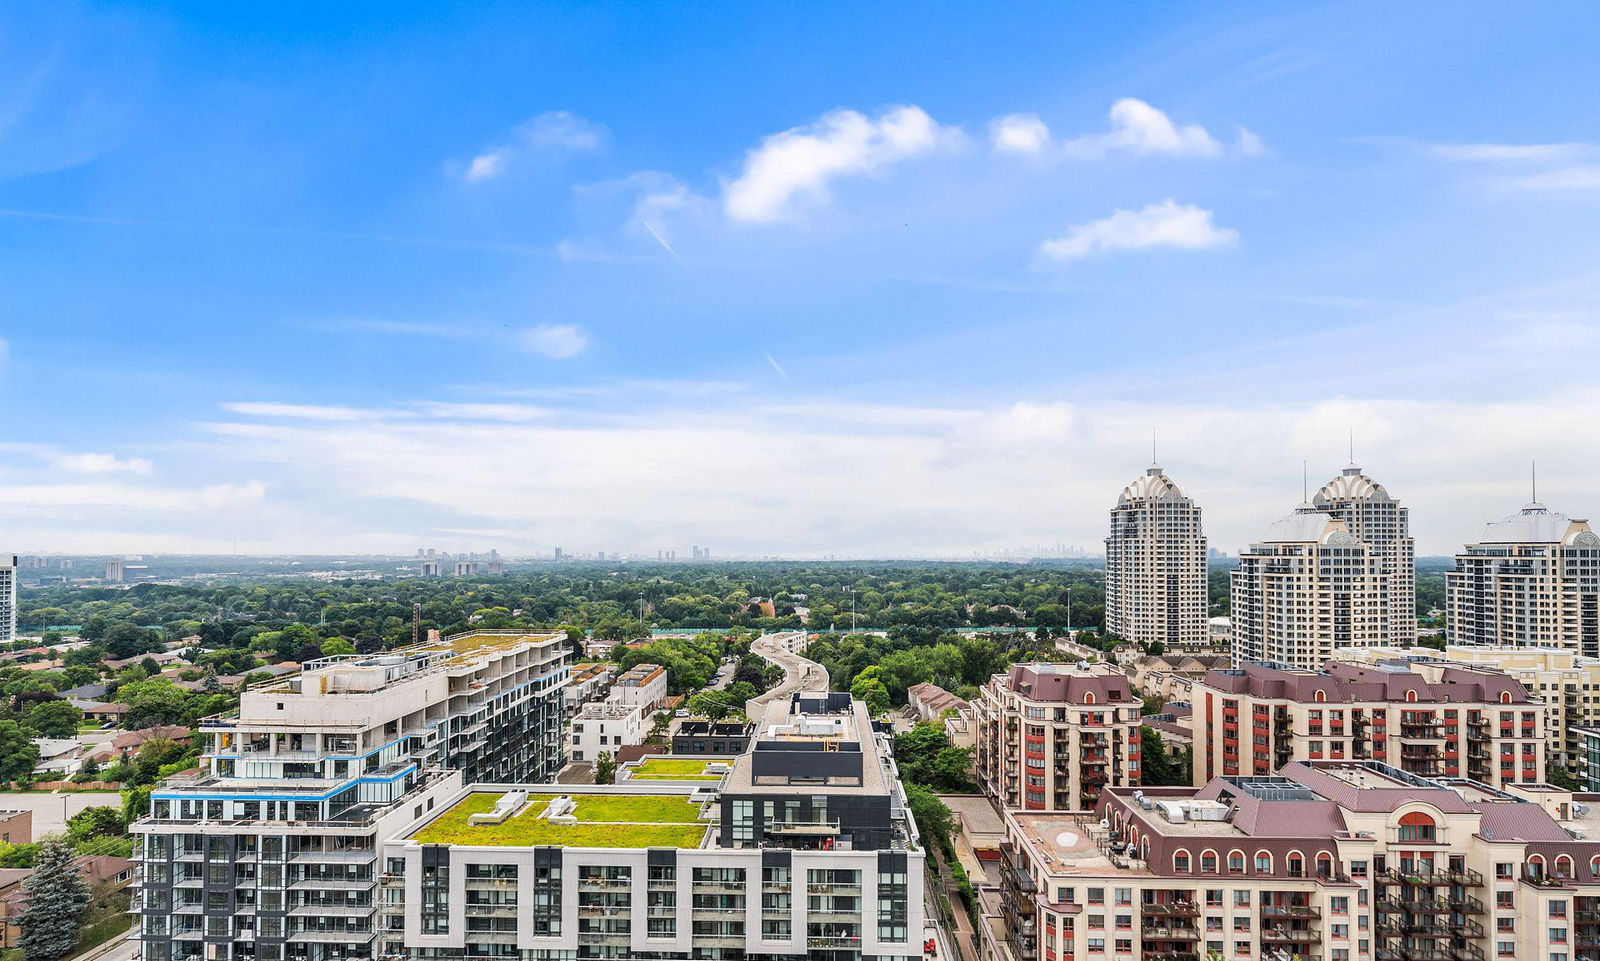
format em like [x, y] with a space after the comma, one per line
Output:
[1343, 860]
[1051, 736]
[805, 849]
[1428, 719]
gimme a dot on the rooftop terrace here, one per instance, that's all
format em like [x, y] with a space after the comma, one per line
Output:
[676, 769]
[603, 820]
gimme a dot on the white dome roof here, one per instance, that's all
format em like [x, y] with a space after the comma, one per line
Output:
[1306, 525]
[1534, 524]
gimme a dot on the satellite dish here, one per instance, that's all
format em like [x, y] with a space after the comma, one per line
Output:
[1066, 839]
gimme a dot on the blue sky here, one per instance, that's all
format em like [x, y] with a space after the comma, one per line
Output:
[800, 279]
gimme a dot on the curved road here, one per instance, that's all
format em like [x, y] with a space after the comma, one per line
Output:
[799, 674]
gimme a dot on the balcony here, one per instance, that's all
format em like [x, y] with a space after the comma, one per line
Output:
[1285, 935]
[1169, 933]
[1290, 911]
[1170, 909]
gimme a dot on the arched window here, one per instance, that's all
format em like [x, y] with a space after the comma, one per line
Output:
[1411, 696]
[1324, 866]
[1417, 826]
[1263, 862]
[1563, 866]
[1180, 861]
[1235, 862]
[1296, 863]
[1208, 862]
[1594, 866]
[1505, 697]
[1536, 866]
[1088, 697]
[1320, 696]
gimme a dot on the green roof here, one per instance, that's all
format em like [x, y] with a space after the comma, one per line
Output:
[604, 821]
[672, 769]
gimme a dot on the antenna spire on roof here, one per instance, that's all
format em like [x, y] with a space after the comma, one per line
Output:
[1533, 471]
[1305, 483]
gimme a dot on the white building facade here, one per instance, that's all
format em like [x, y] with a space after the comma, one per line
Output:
[1156, 566]
[1531, 580]
[1307, 587]
[1376, 519]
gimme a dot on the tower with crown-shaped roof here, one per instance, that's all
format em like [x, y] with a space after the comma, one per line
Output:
[1377, 520]
[1156, 565]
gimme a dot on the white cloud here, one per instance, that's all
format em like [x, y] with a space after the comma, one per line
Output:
[1532, 167]
[800, 163]
[1166, 224]
[502, 412]
[556, 341]
[1019, 133]
[904, 479]
[557, 130]
[1138, 128]
[1249, 144]
[92, 463]
[1511, 152]
[300, 411]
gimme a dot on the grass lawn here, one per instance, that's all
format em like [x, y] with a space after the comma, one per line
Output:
[603, 821]
[673, 769]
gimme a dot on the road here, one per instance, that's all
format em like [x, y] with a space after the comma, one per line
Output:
[799, 674]
[120, 948]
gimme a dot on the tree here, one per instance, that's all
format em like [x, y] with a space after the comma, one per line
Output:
[57, 895]
[54, 719]
[708, 704]
[18, 754]
[925, 756]
[87, 771]
[869, 688]
[337, 645]
[1158, 767]
[96, 822]
[933, 818]
[123, 640]
[605, 768]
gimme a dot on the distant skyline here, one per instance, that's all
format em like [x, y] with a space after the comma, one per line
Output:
[787, 280]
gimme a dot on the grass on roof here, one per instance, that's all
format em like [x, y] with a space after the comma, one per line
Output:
[674, 768]
[627, 821]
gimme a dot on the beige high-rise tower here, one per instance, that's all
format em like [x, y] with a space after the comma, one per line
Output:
[1305, 588]
[1378, 521]
[1156, 565]
[1531, 580]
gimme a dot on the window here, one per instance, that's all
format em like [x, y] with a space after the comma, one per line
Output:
[1235, 862]
[1263, 862]
[1558, 909]
[1180, 862]
[1417, 826]
[1208, 862]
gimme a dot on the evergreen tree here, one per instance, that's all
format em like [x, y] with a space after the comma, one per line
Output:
[56, 895]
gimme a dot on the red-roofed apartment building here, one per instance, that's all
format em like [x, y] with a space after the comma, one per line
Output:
[1432, 720]
[1346, 860]
[1050, 736]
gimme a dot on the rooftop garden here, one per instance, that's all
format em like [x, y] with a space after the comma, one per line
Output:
[616, 821]
[672, 769]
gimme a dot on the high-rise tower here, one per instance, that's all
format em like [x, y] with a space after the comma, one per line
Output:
[1156, 565]
[1377, 520]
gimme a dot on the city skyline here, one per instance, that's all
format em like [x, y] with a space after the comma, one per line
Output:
[517, 277]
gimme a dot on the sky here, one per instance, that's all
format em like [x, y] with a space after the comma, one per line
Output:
[861, 280]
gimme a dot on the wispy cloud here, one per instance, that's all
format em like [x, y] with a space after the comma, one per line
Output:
[1166, 224]
[555, 341]
[1529, 167]
[1137, 129]
[557, 130]
[777, 367]
[97, 463]
[300, 411]
[799, 164]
